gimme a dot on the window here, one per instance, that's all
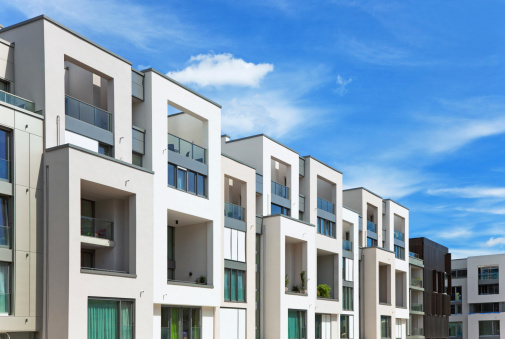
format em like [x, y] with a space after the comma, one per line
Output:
[399, 252]
[5, 155]
[276, 209]
[105, 149]
[489, 289]
[234, 244]
[296, 324]
[456, 294]
[181, 323]
[456, 329]
[346, 327]
[137, 159]
[370, 242]
[456, 309]
[170, 253]
[347, 269]
[488, 272]
[234, 285]
[326, 227]
[485, 308]
[347, 304]
[110, 318]
[186, 180]
[385, 327]
[5, 296]
[4, 85]
[87, 258]
[461, 273]
[489, 327]
[323, 326]
[5, 239]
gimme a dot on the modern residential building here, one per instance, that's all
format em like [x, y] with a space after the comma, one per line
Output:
[436, 284]
[477, 300]
[125, 212]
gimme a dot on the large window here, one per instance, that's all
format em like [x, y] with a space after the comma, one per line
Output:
[347, 269]
[489, 327]
[489, 289]
[346, 327]
[347, 304]
[5, 296]
[276, 209]
[456, 309]
[4, 223]
[323, 326]
[399, 252]
[170, 253]
[234, 285]
[181, 323]
[5, 155]
[489, 272]
[110, 319]
[370, 242]
[186, 180]
[326, 227]
[456, 329]
[234, 244]
[456, 293]
[385, 326]
[296, 324]
[460, 273]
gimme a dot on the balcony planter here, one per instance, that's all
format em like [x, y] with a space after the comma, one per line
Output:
[323, 291]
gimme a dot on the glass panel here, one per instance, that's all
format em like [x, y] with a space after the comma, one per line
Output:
[4, 155]
[233, 211]
[201, 190]
[91, 227]
[344, 326]
[233, 285]
[196, 326]
[165, 323]
[126, 320]
[4, 288]
[170, 243]
[173, 143]
[4, 223]
[102, 319]
[105, 149]
[186, 149]
[181, 179]
[276, 209]
[199, 153]
[171, 175]
[86, 113]
[137, 159]
[318, 326]
[87, 259]
[227, 284]
[102, 119]
[293, 325]
[370, 226]
[191, 182]
[347, 245]
[241, 285]
[174, 323]
[186, 322]
[280, 190]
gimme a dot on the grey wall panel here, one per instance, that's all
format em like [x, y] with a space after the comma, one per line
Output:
[88, 130]
[235, 224]
[326, 215]
[235, 265]
[281, 201]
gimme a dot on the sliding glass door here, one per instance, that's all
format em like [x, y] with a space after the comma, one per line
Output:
[110, 319]
[296, 324]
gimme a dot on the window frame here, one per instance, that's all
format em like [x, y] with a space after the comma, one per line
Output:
[200, 180]
[180, 320]
[118, 320]
[234, 285]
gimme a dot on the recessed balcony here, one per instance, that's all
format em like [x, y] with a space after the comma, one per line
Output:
[234, 211]
[96, 232]
[325, 205]
[17, 101]
[280, 190]
[186, 148]
[90, 114]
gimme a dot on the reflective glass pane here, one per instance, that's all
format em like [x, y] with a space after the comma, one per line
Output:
[186, 149]
[191, 182]
[171, 175]
[173, 143]
[181, 179]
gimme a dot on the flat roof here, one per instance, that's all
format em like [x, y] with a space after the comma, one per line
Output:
[365, 189]
[322, 163]
[261, 135]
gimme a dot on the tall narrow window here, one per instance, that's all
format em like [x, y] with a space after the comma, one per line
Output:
[296, 324]
[4, 155]
[171, 175]
[181, 179]
[385, 327]
[346, 326]
[5, 296]
[191, 182]
[348, 298]
[234, 285]
[110, 319]
[180, 323]
[170, 253]
[201, 185]
[4, 223]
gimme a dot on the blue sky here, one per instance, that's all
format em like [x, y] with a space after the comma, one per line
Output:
[407, 98]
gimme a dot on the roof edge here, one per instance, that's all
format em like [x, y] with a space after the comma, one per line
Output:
[262, 135]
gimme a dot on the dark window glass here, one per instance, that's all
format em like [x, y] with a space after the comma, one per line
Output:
[319, 322]
[4, 86]
[385, 327]
[276, 209]
[296, 324]
[399, 252]
[371, 242]
[489, 289]
[4, 155]
[181, 179]
[137, 159]
[191, 182]
[171, 175]
[105, 149]
[201, 185]
[180, 323]
[88, 258]
[234, 285]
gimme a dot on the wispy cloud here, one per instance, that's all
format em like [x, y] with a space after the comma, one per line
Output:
[453, 233]
[485, 210]
[462, 252]
[342, 85]
[470, 192]
[374, 52]
[492, 242]
[221, 69]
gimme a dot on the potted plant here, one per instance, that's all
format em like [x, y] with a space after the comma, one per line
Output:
[323, 291]
[303, 277]
[286, 283]
[201, 280]
[295, 289]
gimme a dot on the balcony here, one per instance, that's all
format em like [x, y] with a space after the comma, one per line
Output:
[186, 148]
[5, 237]
[416, 307]
[87, 113]
[17, 101]
[280, 190]
[91, 227]
[417, 282]
[417, 331]
[370, 226]
[399, 235]
[347, 245]
[325, 205]
[489, 276]
[234, 211]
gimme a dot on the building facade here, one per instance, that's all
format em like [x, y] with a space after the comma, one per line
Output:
[126, 213]
[477, 303]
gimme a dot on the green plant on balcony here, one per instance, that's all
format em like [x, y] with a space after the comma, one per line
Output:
[323, 291]
[295, 289]
[303, 277]
[286, 282]
[201, 280]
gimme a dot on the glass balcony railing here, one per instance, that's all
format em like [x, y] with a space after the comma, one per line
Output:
[414, 255]
[234, 211]
[186, 148]
[17, 101]
[88, 113]
[416, 307]
[5, 237]
[489, 276]
[416, 282]
[370, 226]
[5, 303]
[280, 190]
[347, 245]
[325, 205]
[399, 235]
[416, 331]
[96, 228]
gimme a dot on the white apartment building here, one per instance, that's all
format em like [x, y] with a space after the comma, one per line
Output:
[477, 297]
[122, 220]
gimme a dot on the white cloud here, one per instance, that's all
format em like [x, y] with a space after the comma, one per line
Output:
[461, 253]
[470, 192]
[342, 85]
[221, 69]
[495, 241]
[453, 233]
[485, 210]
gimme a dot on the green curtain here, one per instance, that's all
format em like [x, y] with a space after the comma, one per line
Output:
[196, 324]
[4, 288]
[240, 285]
[233, 285]
[293, 325]
[174, 323]
[126, 311]
[102, 319]
[227, 284]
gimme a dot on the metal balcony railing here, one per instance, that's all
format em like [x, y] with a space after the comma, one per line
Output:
[88, 113]
[97, 228]
[17, 101]
[186, 148]
[234, 211]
